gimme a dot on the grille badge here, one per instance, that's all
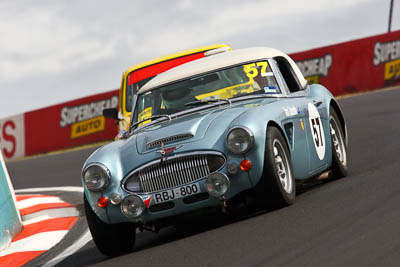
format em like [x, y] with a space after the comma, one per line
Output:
[165, 151]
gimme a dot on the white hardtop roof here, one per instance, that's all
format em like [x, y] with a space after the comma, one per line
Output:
[219, 61]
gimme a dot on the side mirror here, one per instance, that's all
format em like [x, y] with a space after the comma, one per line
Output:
[122, 135]
[111, 113]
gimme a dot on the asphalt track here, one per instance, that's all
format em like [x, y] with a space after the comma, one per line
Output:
[348, 222]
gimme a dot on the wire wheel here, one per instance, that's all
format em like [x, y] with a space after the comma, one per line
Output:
[338, 142]
[282, 167]
[276, 187]
[340, 159]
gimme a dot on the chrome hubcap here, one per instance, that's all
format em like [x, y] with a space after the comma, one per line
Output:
[282, 167]
[338, 142]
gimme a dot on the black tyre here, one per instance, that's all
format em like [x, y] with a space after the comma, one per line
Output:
[110, 239]
[277, 187]
[339, 148]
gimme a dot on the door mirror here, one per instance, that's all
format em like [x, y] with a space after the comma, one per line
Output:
[111, 113]
[123, 135]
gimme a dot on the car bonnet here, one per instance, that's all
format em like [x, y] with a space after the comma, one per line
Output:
[188, 128]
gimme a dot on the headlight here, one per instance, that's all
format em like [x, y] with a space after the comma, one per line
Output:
[133, 206]
[239, 140]
[96, 177]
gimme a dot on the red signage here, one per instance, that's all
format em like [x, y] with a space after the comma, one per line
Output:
[70, 124]
[355, 66]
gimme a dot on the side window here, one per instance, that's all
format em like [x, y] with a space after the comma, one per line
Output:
[288, 74]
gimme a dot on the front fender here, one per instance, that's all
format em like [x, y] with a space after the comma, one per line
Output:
[92, 198]
[335, 105]
[259, 125]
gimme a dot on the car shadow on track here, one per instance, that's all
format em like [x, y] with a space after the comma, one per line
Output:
[89, 255]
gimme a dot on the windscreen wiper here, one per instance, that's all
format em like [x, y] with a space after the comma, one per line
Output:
[239, 94]
[151, 118]
[207, 101]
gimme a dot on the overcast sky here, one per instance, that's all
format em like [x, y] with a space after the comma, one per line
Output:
[54, 51]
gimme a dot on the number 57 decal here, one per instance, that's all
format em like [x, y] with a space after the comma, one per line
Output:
[253, 69]
[317, 131]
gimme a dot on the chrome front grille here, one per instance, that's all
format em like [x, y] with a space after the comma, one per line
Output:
[174, 171]
[169, 139]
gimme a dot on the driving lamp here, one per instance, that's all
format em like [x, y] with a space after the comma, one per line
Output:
[217, 184]
[133, 206]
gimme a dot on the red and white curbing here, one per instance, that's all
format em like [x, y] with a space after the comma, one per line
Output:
[46, 220]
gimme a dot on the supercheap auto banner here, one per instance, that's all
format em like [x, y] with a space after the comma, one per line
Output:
[70, 124]
[355, 66]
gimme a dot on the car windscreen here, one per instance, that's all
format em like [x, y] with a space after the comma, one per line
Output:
[241, 80]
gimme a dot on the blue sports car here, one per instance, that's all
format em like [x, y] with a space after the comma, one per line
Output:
[241, 122]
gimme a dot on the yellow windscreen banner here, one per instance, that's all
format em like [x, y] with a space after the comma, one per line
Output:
[87, 127]
[146, 113]
[228, 92]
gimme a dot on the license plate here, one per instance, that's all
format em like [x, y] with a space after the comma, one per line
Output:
[179, 192]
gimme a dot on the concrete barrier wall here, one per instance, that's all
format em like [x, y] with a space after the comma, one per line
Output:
[10, 221]
[349, 67]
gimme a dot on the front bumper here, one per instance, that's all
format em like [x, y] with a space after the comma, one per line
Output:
[155, 213]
